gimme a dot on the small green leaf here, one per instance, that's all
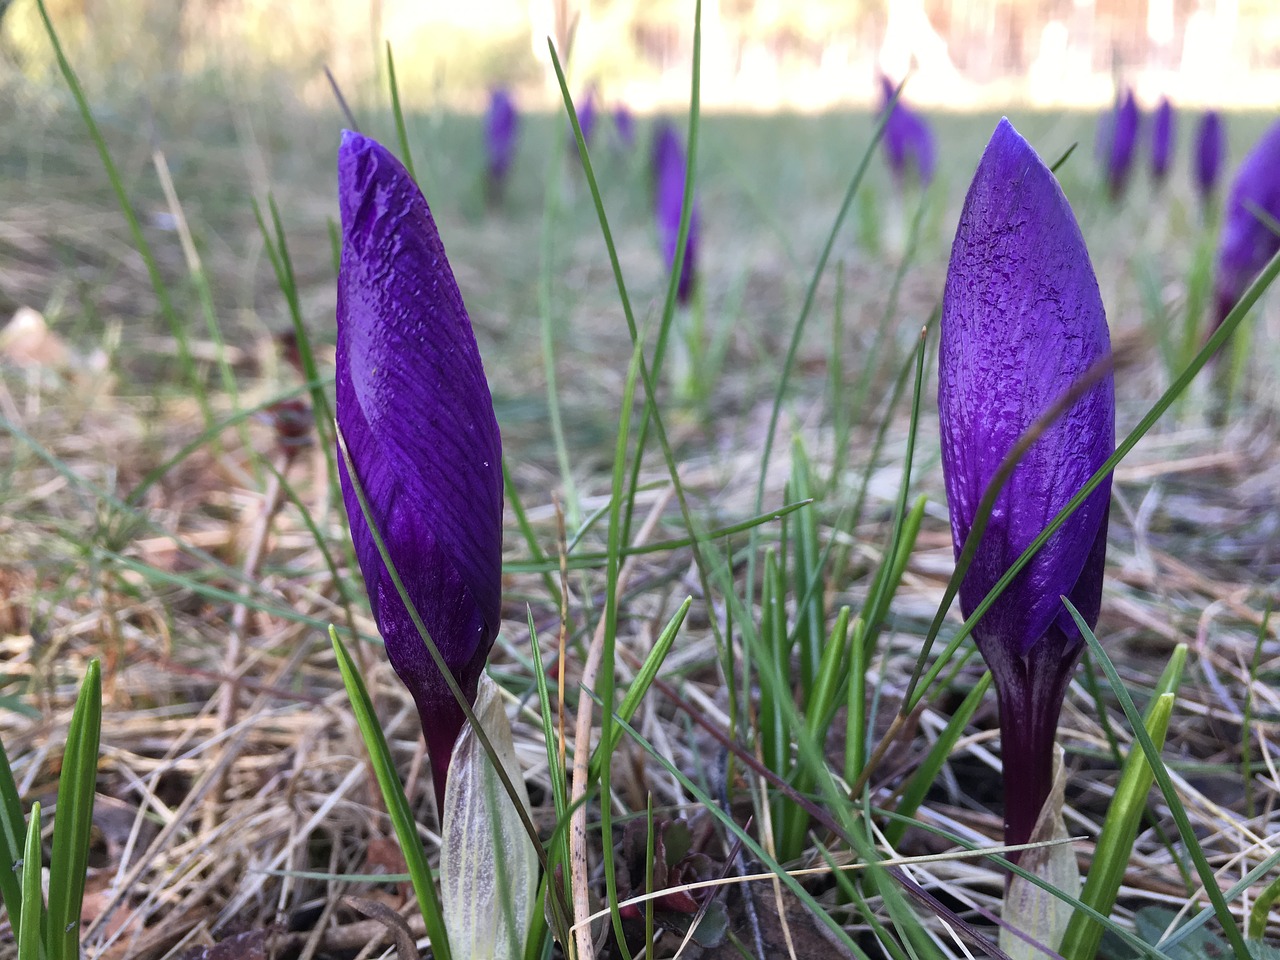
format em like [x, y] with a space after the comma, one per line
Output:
[73, 820]
[12, 831]
[28, 927]
[917, 787]
[643, 680]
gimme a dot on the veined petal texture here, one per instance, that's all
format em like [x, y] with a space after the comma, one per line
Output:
[415, 411]
[1022, 322]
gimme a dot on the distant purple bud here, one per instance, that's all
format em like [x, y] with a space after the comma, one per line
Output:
[665, 140]
[1022, 323]
[1211, 152]
[586, 108]
[502, 124]
[625, 125]
[908, 140]
[414, 408]
[1162, 140]
[670, 161]
[1247, 240]
[1123, 144]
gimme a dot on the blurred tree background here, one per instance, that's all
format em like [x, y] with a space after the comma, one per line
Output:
[757, 54]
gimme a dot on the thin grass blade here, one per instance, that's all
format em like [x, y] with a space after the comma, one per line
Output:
[27, 921]
[384, 769]
[12, 838]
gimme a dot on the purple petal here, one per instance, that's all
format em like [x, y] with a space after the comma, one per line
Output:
[1211, 150]
[502, 123]
[1162, 140]
[1247, 241]
[908, 140]
[586, 108]
[920, 147]
[414, 408]
[1030, 690]
[670, 157]
[1022, 321]
[1123, 145]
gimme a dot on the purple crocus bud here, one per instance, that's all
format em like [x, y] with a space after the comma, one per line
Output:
[1162, 140]
[502, 124]
[1247, 240]
[1022, 323]
[908, 140]
[625, 125]
[414, 408]
[669, 156]
[1211, 151]
[586, 108]
[1123, 144]
[665, 140]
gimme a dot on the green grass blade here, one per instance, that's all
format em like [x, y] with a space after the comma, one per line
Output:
[806, 580]
[1260, 913]
[276, 244]
[749, 842]
[810, 297]
[855, 743]
[1142, 948]
[774, 745]
[917, 787]
[73, 819]
[606, 676]
[872, 363]
[821, 704]
[586, 561]
[531, 536]
[12, 837]
[1259, 872]
[210, 435]
[204, 292]
[1115, 842]
[27, 921]
[822, 700]
[643, 681]
[384, 769]
[1185, 830]
[402, 131]
[558, 846]
[176, 325]
[651, 415]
